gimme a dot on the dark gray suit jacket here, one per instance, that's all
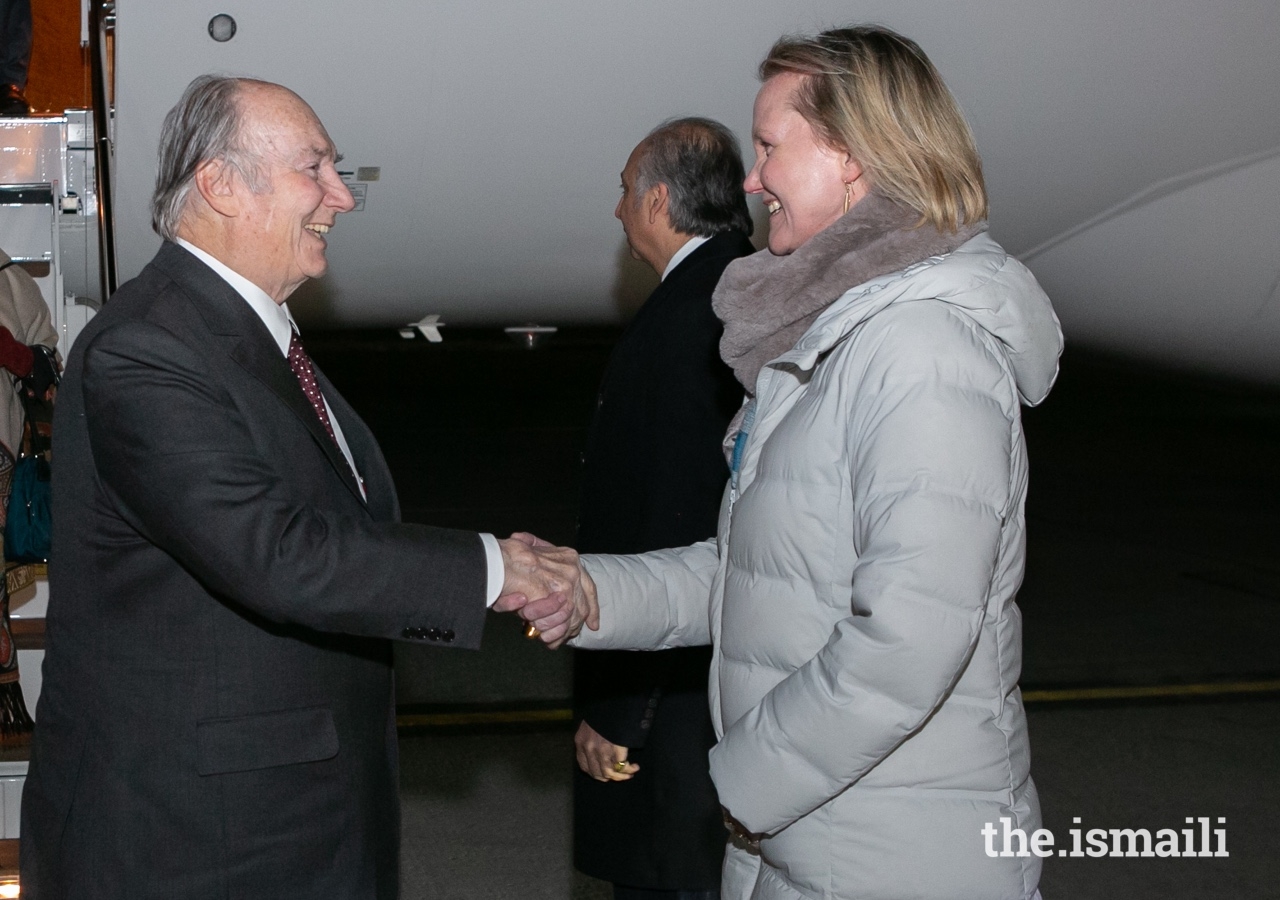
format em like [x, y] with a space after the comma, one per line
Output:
[217, 716]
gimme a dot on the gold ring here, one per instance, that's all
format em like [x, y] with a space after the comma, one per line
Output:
[531, 631]
[620, 766]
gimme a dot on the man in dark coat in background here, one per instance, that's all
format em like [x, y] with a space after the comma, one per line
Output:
[646, 814]
[229, 567]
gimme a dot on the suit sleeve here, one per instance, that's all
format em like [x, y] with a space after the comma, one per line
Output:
[682, 469]
[613, 691]
[930, 454]
[176, 457]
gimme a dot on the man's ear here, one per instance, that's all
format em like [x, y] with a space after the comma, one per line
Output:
[656, 202]
[219, 186]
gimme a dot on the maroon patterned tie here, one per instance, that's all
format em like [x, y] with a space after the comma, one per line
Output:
[301, 365]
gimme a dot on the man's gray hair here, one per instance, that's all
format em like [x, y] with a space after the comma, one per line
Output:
[700, 163]
[206, 124]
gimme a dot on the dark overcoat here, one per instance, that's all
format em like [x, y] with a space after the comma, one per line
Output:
[653, 476]
[217, 716]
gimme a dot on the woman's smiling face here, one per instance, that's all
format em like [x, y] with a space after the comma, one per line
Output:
[800, 178]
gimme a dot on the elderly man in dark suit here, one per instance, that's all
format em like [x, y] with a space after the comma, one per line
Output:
[646, 815]
[217, 716]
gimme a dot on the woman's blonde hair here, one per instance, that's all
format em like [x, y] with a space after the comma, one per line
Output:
[874, 93]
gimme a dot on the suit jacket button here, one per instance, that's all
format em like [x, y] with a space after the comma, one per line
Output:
[433, 634]
[408, 633]
[447, 635]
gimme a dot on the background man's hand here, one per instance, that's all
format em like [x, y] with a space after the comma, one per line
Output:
[598, 757]
[548, 588]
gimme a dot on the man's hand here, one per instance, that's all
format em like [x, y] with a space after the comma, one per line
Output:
[548, 587]
[599, 758]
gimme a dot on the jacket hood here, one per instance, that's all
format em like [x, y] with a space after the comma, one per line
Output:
[981, 281]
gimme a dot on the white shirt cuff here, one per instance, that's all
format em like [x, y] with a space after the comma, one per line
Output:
[497, 571]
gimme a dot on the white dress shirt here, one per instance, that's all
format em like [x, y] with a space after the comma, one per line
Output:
[683, 253]
[276, 317]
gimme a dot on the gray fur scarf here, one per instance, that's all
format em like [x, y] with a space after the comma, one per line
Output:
[768, 302]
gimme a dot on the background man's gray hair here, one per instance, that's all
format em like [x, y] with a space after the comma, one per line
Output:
[700, 163]
[206, 124]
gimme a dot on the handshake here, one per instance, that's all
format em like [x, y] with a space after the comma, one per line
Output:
[548, 588]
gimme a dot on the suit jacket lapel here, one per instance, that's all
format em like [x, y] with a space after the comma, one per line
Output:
[260, 356]
[227, 314]
[381, 502]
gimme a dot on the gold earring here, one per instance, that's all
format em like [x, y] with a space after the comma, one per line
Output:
[848, 195]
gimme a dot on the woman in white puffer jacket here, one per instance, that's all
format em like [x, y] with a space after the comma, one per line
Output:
[860, 591]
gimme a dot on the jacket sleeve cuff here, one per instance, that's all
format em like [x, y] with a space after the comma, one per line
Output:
[624, 721]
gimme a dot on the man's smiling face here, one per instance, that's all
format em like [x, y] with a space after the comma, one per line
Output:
[283, 227]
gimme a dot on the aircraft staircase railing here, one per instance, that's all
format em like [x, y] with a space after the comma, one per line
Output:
[102, 22]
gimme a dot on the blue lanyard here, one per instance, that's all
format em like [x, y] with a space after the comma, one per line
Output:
[740, 444]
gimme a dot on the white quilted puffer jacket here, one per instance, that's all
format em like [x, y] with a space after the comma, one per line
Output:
[860, 593]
